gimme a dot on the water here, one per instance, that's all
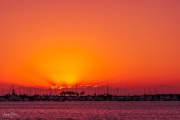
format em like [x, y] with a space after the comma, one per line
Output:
[90, 110]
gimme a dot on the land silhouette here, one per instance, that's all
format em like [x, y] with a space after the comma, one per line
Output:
[76, 96]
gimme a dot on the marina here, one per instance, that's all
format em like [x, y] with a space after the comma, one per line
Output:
[75, 96]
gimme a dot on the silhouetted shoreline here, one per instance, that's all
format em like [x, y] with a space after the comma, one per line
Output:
[75, 96]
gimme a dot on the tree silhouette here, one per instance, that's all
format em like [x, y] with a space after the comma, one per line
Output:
[82, 93]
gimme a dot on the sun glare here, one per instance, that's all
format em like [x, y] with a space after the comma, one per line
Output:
[64, 67]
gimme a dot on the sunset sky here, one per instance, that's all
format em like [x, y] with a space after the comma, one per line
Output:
[89, 42]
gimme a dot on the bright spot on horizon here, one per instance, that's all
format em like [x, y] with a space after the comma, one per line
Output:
[66, 67]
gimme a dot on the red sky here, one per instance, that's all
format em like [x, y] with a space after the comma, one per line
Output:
[119, 42]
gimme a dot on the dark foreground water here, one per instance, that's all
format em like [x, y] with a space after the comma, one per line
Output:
[90, 110]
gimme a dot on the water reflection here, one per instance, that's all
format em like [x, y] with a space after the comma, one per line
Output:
[91, 110]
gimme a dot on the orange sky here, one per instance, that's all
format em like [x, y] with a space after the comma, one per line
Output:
[130, 42]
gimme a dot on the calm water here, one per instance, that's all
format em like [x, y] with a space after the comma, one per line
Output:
[89, 110]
